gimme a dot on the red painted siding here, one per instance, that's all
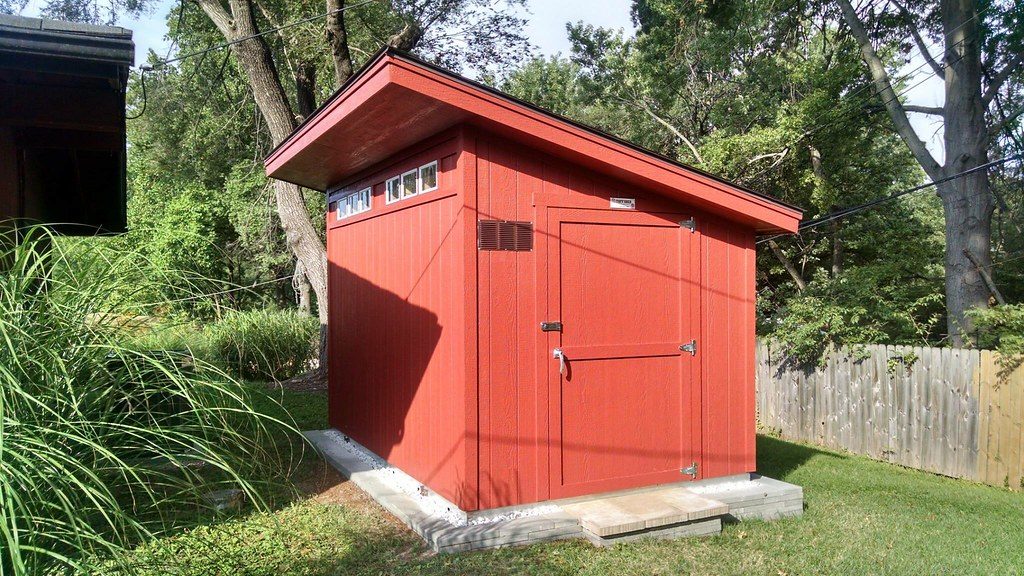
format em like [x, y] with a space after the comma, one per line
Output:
[437, 362]
[514, 422]
[397, 325]
[728, 308]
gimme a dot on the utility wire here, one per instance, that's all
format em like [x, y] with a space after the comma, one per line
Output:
[808, 224]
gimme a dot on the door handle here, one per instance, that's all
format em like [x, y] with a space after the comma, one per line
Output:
[562, 359]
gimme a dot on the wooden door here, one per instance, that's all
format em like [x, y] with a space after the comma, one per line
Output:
[624, 408]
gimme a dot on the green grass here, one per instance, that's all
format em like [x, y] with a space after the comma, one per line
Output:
[862, 517]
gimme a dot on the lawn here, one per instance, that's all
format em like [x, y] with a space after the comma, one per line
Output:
[861, 517]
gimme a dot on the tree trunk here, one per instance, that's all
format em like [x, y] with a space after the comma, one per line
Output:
[337, 38]
[837, 240]
[837, 248]
[966, 201]
[254, 58]
[301, 285]
[305, 89]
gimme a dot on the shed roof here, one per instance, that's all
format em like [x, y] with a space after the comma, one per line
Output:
[75, 40]
[397, 100]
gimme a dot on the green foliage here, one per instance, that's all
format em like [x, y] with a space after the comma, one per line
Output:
[182, 337]
[104, 444]
[264, 344]
[1002, 328]
[185, 229]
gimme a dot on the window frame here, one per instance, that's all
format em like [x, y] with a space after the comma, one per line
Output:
[415, 184]
[419, 178]
[387, 189]
[350, 203]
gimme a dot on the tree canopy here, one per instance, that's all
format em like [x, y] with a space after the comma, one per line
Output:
[779, 96]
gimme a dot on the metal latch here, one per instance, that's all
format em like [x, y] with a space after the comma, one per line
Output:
[690, 347]
[691, 224]
[551, 326]
[690, 470]
[557, 353]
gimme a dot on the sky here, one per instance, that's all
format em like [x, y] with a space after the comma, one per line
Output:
[546, 20]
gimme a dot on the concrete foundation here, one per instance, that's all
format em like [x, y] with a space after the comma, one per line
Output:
[666, 511]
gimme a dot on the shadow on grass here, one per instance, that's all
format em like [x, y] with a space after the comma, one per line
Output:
[777, 458]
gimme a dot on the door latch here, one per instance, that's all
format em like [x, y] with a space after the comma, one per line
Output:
[690, 470]
[551, 326]
[690, 347]
[557, 353]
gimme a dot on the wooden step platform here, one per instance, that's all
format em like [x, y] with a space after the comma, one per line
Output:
[668, 512]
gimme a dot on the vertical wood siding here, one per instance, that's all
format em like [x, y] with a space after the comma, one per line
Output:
[436, 359]
[728, 341]
[397, 330]
[513, 423]
[950, 411]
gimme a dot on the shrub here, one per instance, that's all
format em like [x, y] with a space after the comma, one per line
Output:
[264, 344]
[102, 444]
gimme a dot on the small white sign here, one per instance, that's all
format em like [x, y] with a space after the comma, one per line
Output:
[624, 203]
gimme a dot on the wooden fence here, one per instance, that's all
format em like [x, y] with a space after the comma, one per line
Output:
[950, 411]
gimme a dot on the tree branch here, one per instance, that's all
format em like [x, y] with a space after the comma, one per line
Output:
[884, 88]
[995, 129]
[788, 265]
[936, 110]
[219, 16]
[673, 130]
[939, 70]
[337, 38]
[1012, 66]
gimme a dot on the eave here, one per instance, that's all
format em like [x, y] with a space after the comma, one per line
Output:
[398, 100]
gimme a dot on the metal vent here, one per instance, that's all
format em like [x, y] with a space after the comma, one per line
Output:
[504, 235]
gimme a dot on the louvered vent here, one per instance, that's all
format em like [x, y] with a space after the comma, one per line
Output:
[504, 235]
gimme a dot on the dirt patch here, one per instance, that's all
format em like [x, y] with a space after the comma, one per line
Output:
[325, 485]
[312, 381]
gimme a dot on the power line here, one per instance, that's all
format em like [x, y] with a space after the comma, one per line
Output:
[867, 205]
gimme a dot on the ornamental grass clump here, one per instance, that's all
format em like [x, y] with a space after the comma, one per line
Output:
[104, 445]
[265, 345]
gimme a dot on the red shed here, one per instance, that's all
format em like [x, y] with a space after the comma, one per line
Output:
[523, 308]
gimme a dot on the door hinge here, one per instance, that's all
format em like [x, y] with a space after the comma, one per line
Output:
[691, 224]
[690, 470]
[690, 347]
[551, 326]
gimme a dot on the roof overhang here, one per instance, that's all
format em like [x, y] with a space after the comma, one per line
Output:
[69, 40]
[62, 124]
[397, 100]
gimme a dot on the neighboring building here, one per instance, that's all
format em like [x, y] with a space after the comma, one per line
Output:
[523, 308]
[62, 124]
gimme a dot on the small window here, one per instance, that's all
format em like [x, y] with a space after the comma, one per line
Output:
[428, 177]
[363, 200]
[409, 184]
[353, 203]
[394, 191]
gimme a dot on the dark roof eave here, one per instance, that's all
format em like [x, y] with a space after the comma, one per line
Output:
[70, 40]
